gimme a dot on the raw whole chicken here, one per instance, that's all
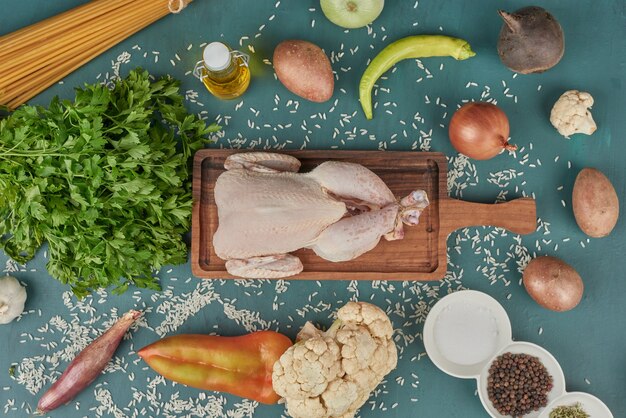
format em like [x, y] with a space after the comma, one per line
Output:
[266, 210]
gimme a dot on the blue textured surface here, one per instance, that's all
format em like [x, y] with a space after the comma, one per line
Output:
[589, 342]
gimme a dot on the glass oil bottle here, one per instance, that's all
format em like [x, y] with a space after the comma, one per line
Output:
[224, 72]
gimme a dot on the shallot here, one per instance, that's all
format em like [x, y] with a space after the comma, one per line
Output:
[87, 366]
[480, 131]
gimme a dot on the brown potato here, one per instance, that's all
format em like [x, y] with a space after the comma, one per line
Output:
[596, 206]
[553, 284]
[305, 70]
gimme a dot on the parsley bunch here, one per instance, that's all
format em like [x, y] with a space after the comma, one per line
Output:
[104, 180]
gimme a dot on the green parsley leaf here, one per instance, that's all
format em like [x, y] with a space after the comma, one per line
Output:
[105, 180]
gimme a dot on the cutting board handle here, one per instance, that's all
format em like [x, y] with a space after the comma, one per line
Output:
[518, 216]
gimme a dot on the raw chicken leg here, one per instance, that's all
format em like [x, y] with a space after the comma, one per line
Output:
[352, 181]
[352, 236]
[268, 267]
[266, 210]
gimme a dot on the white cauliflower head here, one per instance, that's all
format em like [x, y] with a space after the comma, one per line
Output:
[331, 374]
[570, 114]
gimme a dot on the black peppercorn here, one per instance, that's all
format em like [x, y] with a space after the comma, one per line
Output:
[518, 384]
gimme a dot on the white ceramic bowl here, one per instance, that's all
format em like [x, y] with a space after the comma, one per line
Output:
[466, 297]
[552, 366]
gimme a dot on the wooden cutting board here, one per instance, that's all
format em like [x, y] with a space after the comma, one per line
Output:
[421, 255]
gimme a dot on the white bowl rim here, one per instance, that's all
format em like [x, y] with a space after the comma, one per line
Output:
[577, 397]
[546, 358]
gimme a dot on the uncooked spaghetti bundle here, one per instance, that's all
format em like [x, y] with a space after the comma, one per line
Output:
[37, 56]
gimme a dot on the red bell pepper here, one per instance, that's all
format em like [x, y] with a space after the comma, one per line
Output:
[240, 366]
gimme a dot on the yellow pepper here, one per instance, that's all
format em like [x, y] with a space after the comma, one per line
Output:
[240, 365]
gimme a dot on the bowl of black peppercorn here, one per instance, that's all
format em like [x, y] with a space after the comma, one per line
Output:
[520, 381]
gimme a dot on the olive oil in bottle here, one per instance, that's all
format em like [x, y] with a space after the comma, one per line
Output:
[224, 72]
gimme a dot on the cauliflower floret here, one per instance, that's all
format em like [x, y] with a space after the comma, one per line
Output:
[307, 407]
[331, 374]
[305, 370]
[339, 396]
[570, 114]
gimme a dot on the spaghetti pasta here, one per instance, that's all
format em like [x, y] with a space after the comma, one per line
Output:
[37, 56]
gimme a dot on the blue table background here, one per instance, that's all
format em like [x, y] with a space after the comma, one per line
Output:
[589, 342]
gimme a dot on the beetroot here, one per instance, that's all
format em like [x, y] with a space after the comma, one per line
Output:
[531, 40]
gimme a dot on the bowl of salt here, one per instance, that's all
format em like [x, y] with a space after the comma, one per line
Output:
[464, 330]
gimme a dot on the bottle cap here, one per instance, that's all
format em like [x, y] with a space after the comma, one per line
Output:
[216, 56]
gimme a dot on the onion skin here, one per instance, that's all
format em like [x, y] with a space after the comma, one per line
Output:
[480, 131]
[553, 284]
[87, 366]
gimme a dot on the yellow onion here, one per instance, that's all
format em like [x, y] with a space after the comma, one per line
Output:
[480, 131]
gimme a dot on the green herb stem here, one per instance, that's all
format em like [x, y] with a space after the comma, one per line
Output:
[96, 179]
[569, 411]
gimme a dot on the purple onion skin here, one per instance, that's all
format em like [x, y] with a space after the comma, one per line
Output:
[87, 366]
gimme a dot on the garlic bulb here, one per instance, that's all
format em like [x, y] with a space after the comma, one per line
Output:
[12, 299]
